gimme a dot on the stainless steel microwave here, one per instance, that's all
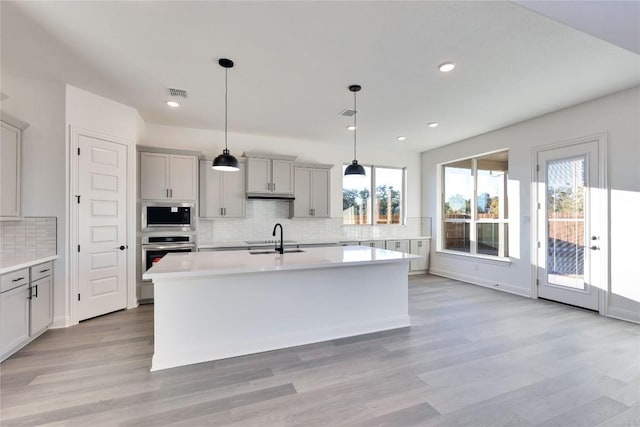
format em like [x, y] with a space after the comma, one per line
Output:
[163, 216]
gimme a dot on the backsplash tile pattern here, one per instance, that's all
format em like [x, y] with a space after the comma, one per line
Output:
[33, 237]
[262, 215]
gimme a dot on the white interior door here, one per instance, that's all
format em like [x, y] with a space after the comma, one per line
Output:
[102, 227]
[569, 195]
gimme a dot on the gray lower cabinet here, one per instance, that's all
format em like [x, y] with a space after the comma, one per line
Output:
[380, 244]
[398, 245]
[41, 311]
[14, 311]
[26, 306]
[420, 247]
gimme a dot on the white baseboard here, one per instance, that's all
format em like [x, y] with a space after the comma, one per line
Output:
[475, 280]
[60, 322]
[622, 314]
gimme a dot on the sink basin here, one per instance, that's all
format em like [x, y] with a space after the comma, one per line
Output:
[286, 251]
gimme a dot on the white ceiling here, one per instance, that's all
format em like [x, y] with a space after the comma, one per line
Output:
[295, 60]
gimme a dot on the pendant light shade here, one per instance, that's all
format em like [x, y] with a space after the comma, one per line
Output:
[354, 168]
[225, 162]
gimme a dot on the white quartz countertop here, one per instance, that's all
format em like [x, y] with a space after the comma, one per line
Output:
[9, 264]
[220, 263]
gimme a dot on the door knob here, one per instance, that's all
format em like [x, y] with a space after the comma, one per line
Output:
[122, 247]
[594, 248]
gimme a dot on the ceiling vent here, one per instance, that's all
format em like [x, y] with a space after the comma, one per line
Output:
[348, 112]
[180, 93]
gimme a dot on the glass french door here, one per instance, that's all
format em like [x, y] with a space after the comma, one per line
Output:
[568, 230]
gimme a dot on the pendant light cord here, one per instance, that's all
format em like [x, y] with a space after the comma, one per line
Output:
[355, 127]
[226, 106]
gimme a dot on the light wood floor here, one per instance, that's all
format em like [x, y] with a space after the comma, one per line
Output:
[473, 357]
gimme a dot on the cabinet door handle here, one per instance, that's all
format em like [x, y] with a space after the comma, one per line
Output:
[171, 192]
[36, 295]
[221, 212]
[166, 192]
[18, 279]
[274, 186]
[224, 211]
[30, 293]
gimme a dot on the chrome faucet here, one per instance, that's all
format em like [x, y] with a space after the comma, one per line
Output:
[281, 248]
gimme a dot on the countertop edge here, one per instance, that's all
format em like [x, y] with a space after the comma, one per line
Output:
[239, 271]
[27, 264]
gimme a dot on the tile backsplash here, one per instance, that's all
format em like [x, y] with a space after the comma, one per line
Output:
[263, 214]
[33, 237]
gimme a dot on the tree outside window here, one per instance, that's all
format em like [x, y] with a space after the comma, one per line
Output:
[474, 208]
[384, 206]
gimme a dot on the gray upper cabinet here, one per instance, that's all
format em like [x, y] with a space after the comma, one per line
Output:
[168, 176]
[269, 176]
[10, 172]
[222, 194]
[312, 191]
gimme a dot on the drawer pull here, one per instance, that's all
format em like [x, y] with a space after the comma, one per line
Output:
[44, 271]
[18, 279]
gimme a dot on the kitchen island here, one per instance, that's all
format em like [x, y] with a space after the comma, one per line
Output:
[215, 305]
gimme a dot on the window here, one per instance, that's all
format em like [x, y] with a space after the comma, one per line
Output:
[474, 205]
[384, 206]
[356, 197]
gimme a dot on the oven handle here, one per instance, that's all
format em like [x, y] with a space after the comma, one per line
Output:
[152, 246]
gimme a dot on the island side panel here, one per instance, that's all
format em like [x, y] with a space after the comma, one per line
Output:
[216, 317]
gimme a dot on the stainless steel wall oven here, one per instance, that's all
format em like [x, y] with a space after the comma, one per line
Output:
[155, 247]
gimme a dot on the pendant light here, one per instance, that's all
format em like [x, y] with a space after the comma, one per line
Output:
[354, 168]
[225, 162]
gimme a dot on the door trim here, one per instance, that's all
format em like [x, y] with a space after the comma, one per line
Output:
[72, 231]
[601, 139]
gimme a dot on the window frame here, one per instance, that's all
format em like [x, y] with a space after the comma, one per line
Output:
[473, 221]
[374, 204]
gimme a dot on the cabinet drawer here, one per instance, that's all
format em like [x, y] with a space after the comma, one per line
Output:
[41, 270]
[14, 279]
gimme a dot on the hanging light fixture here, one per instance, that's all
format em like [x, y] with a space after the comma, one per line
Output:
[354, 168]
[225, 162]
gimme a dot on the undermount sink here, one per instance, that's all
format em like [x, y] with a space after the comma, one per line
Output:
[286, 251]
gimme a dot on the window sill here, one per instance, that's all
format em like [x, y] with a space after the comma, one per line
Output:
[483, 258]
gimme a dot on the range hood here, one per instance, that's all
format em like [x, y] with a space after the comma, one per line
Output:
[254, 196]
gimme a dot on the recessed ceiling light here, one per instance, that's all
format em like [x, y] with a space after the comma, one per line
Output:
[173, 104]
[351, 127]
[445, 67]
[401, 138]
[433, 124]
